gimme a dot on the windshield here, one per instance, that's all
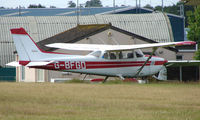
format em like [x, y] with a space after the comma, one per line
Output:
[139, 53]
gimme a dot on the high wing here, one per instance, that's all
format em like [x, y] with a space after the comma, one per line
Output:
[94, 47]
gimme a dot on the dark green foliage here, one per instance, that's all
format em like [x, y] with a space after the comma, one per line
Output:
[194, 26]
[71, 4]
[36, 6]
[93, 3]
[148, 6]
[52, 6]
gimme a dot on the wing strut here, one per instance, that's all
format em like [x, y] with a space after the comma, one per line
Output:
[140, 69]
[85, 76]
[105, 79]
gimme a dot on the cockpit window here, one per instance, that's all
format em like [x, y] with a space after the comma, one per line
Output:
[126, 55]
[130, 55]
[110, 55]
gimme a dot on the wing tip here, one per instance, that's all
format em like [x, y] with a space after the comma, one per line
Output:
[186, 43]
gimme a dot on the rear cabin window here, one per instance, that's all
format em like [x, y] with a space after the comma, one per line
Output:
[96, 53]
[113, 55]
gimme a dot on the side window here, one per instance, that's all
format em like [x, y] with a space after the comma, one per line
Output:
[130, 55]
[112, 55]
[120, 55]
[127, 54]
[105, 55]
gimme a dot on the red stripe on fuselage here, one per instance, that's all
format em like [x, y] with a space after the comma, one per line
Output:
[160, 62]
[95, 65]
[79, 65]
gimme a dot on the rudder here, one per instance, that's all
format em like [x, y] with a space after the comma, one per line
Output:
[26, 47]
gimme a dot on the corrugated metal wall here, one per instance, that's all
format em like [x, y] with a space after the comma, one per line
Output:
[153, 26]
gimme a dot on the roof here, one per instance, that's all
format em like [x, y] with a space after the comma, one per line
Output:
[128, 10]
[83, 31]
[177, 22]
[191, 2]
[154, 26]
[73, 35]
[56, 11]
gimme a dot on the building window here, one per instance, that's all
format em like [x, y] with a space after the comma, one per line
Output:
[22, 73]
[179, 57]
[40, 75]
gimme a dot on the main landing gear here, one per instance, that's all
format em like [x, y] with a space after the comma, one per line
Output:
[105, 79]
[144, 80]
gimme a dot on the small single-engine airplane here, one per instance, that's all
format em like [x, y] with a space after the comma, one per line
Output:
[106, 60]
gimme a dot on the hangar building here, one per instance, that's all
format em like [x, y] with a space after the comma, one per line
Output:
[154, 26]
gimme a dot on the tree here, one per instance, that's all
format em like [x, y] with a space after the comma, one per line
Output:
[174, 9]
[93, 3]
[36, 6]
[52, 6]
[194, 26]
[71, 4]
[158, 8]
[186, 9]
[148, 6]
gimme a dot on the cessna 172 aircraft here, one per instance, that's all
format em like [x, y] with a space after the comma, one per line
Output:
[106, 60]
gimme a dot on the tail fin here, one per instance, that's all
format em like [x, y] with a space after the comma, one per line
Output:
[29, 53]
[26, 47]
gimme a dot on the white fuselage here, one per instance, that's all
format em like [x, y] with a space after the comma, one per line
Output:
[99, 66]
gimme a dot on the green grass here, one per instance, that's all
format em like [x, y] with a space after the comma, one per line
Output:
[46, 101]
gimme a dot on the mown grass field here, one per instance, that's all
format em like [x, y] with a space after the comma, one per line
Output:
[46, 101]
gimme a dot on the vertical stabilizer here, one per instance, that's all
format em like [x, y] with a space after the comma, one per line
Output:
[26, 47]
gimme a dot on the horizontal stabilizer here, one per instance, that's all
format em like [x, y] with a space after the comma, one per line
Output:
[13, 64]
[183, 63]
[31, 64]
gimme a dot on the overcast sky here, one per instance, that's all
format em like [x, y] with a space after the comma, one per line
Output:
[63, 3]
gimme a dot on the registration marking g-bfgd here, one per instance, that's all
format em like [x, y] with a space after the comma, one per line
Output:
[70, 65]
